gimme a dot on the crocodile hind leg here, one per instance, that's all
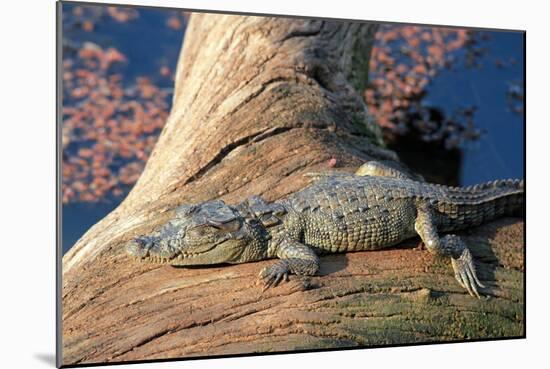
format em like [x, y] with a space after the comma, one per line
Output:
[373, 168]
[295, 258]
[451, 246]
[387, 169]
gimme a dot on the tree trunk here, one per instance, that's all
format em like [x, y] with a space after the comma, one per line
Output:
[259, 102]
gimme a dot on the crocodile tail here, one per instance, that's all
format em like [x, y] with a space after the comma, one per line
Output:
[478, 204]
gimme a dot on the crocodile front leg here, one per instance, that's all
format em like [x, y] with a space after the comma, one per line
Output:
[451, 246]
[295, 258]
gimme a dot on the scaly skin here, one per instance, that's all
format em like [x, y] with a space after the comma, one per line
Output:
[380, 206]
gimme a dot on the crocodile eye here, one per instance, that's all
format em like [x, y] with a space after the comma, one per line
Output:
[201, 230]
[230, 226]
[252, 221]
[269, 220]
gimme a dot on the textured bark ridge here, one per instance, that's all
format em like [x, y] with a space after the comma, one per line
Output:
[259, 102]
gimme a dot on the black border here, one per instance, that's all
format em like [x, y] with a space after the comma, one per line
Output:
[231, 12]
[58, 206]
[59, 251]
[525, 181]
[256, 354]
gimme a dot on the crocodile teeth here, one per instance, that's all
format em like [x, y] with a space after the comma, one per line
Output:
[186, 255]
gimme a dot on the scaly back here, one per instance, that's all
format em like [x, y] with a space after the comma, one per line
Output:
[456, 207]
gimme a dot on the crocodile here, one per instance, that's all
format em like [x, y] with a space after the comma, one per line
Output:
[378, 206]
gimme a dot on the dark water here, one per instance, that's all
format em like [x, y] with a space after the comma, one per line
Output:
[146, 41]
[78, 217]
[148, 44]
[499, 152]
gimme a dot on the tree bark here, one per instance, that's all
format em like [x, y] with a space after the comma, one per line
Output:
[258, 102]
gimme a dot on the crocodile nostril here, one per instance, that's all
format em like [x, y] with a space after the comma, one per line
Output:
[139, 247]
[135, 248]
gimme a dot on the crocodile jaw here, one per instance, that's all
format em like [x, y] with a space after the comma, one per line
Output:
[217, 253]
[145, 256]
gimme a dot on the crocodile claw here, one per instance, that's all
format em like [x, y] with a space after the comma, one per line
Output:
[272, 275]
[465, 273]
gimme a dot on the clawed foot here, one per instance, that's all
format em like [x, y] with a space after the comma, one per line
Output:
[273, 274]
[465, 273]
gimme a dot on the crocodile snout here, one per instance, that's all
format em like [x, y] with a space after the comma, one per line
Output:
[139, 247]
[151, 248]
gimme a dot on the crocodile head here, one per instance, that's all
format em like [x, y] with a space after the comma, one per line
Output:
[209, 233]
